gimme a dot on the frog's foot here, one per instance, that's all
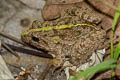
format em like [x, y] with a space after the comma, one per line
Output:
[67, 71]
[67, 67]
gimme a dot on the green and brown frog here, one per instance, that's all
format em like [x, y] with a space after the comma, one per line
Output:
[72, 37]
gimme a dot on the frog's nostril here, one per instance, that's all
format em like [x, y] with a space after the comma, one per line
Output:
[35, 39]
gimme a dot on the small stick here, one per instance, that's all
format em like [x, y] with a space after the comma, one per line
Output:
[9, 49]
[44, 74]
[12, 38]
[19, 49]
[31, 52]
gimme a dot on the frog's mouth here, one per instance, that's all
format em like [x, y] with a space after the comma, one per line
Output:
[34, 43]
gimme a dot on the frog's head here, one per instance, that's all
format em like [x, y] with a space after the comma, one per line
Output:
[35, 39]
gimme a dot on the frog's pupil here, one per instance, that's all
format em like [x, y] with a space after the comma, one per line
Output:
[35, 39]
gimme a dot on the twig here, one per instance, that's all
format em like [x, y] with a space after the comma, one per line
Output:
[12, 38]
[23, 50]
[9, 49]
[46, 71]
[0, 45]
[31, 52]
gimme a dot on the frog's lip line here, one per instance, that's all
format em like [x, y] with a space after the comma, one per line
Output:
[48, 28]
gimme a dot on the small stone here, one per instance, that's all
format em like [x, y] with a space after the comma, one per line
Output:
[51, 12]
[36, 4]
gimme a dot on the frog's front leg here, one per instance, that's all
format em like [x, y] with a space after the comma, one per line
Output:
[67, 66]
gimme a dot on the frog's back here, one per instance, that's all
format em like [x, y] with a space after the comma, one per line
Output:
[75, 34]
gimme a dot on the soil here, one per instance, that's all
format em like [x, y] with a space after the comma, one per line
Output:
[18, 15]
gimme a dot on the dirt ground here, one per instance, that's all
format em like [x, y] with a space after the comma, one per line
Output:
[18, 15]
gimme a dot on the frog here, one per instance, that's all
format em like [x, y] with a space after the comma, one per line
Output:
[72, 37]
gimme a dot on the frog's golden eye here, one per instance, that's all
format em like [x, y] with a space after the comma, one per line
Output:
[35, 39]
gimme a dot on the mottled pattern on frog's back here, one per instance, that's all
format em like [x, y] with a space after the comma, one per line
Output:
[72, 15]
[77, 43]
[74, 44]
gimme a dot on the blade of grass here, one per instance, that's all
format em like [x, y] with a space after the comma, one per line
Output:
[117, 51]
[111, 48]
[116, 17]
[88, 73]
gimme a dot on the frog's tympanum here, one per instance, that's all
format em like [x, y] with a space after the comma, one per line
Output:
[72, 37]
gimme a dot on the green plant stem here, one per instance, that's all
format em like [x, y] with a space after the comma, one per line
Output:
[112, 46]
[88, 73]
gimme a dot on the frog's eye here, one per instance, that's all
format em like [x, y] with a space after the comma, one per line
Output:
[35, 39]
